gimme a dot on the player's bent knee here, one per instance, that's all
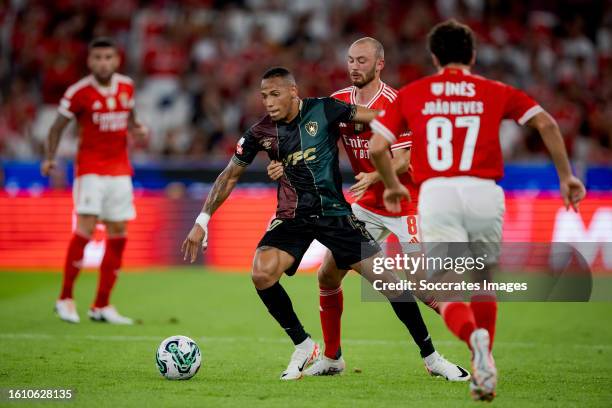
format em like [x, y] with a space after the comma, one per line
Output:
[116, 228]
[266, 269]
[86, 224]
[330, 278]
[263, 276]
[329, 275]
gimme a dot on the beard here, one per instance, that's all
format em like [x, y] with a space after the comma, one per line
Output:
[103, 77]
[366, 79]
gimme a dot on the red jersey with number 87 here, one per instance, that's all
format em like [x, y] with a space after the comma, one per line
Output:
[356, 138]
[102, 114]
[454, 117]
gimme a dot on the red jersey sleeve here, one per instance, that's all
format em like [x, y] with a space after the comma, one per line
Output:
[520, 106]
[404, 141]
[391, 123]
[70, 105]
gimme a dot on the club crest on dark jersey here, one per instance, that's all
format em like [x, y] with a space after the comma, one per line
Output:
[312, 127]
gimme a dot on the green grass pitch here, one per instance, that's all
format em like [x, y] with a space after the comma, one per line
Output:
[547, 354]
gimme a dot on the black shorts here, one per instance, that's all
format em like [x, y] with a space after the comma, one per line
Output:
[345, 236]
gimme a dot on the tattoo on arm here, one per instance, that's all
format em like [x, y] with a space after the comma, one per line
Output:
[224, 184]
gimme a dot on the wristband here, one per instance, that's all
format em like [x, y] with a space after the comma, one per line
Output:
[202, 220]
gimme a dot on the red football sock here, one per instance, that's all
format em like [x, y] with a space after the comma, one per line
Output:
[484, 308]
[72, 265]
[109, 268]
[459, 319]
[331, 306]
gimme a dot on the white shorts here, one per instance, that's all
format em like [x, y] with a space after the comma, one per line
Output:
[111, 198]
[462, 209]
[405, 228]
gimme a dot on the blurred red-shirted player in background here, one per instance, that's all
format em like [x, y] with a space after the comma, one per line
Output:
[454, 117]
[102, 104]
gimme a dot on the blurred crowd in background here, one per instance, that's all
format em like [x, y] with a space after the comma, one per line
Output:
[197, 64]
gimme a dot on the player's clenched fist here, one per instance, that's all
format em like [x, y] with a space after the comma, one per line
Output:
[275, 170]
[46, 166]
[197, 238]
[393, 197]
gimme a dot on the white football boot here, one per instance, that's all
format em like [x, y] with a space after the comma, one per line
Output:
[326, 366]
[484, 373]
[305, 353]
[438, 366]
[66, 310]
[108, 314]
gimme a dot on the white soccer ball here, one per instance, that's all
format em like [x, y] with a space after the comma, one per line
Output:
[178, 358]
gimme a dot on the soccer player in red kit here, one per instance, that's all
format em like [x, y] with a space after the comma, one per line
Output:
[454, 117]
[365, 62]
[103, 105]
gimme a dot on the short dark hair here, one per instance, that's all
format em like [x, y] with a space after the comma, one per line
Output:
[102, 42]
[452, 42]
[279, 72]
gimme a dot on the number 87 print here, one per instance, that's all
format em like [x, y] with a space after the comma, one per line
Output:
[440, 134]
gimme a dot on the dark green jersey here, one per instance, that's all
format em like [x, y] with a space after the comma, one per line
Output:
[311, 184]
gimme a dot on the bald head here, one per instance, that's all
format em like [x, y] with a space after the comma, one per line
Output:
[373, 44]
[366, 59]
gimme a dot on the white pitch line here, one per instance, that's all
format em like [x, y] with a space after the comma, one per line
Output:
[276, 340]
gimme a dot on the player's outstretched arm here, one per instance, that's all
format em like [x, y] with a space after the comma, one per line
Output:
[395, 192]
[572, 189]
[53, 140]
[400, 163]
[224, 184]
[364, 115]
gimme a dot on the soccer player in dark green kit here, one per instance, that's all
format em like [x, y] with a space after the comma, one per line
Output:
[300, 133]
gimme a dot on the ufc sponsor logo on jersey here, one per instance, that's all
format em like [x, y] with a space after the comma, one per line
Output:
[111, 121]
[462, 88]
[293, 158]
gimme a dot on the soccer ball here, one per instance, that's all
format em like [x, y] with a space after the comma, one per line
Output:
[178, 358]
